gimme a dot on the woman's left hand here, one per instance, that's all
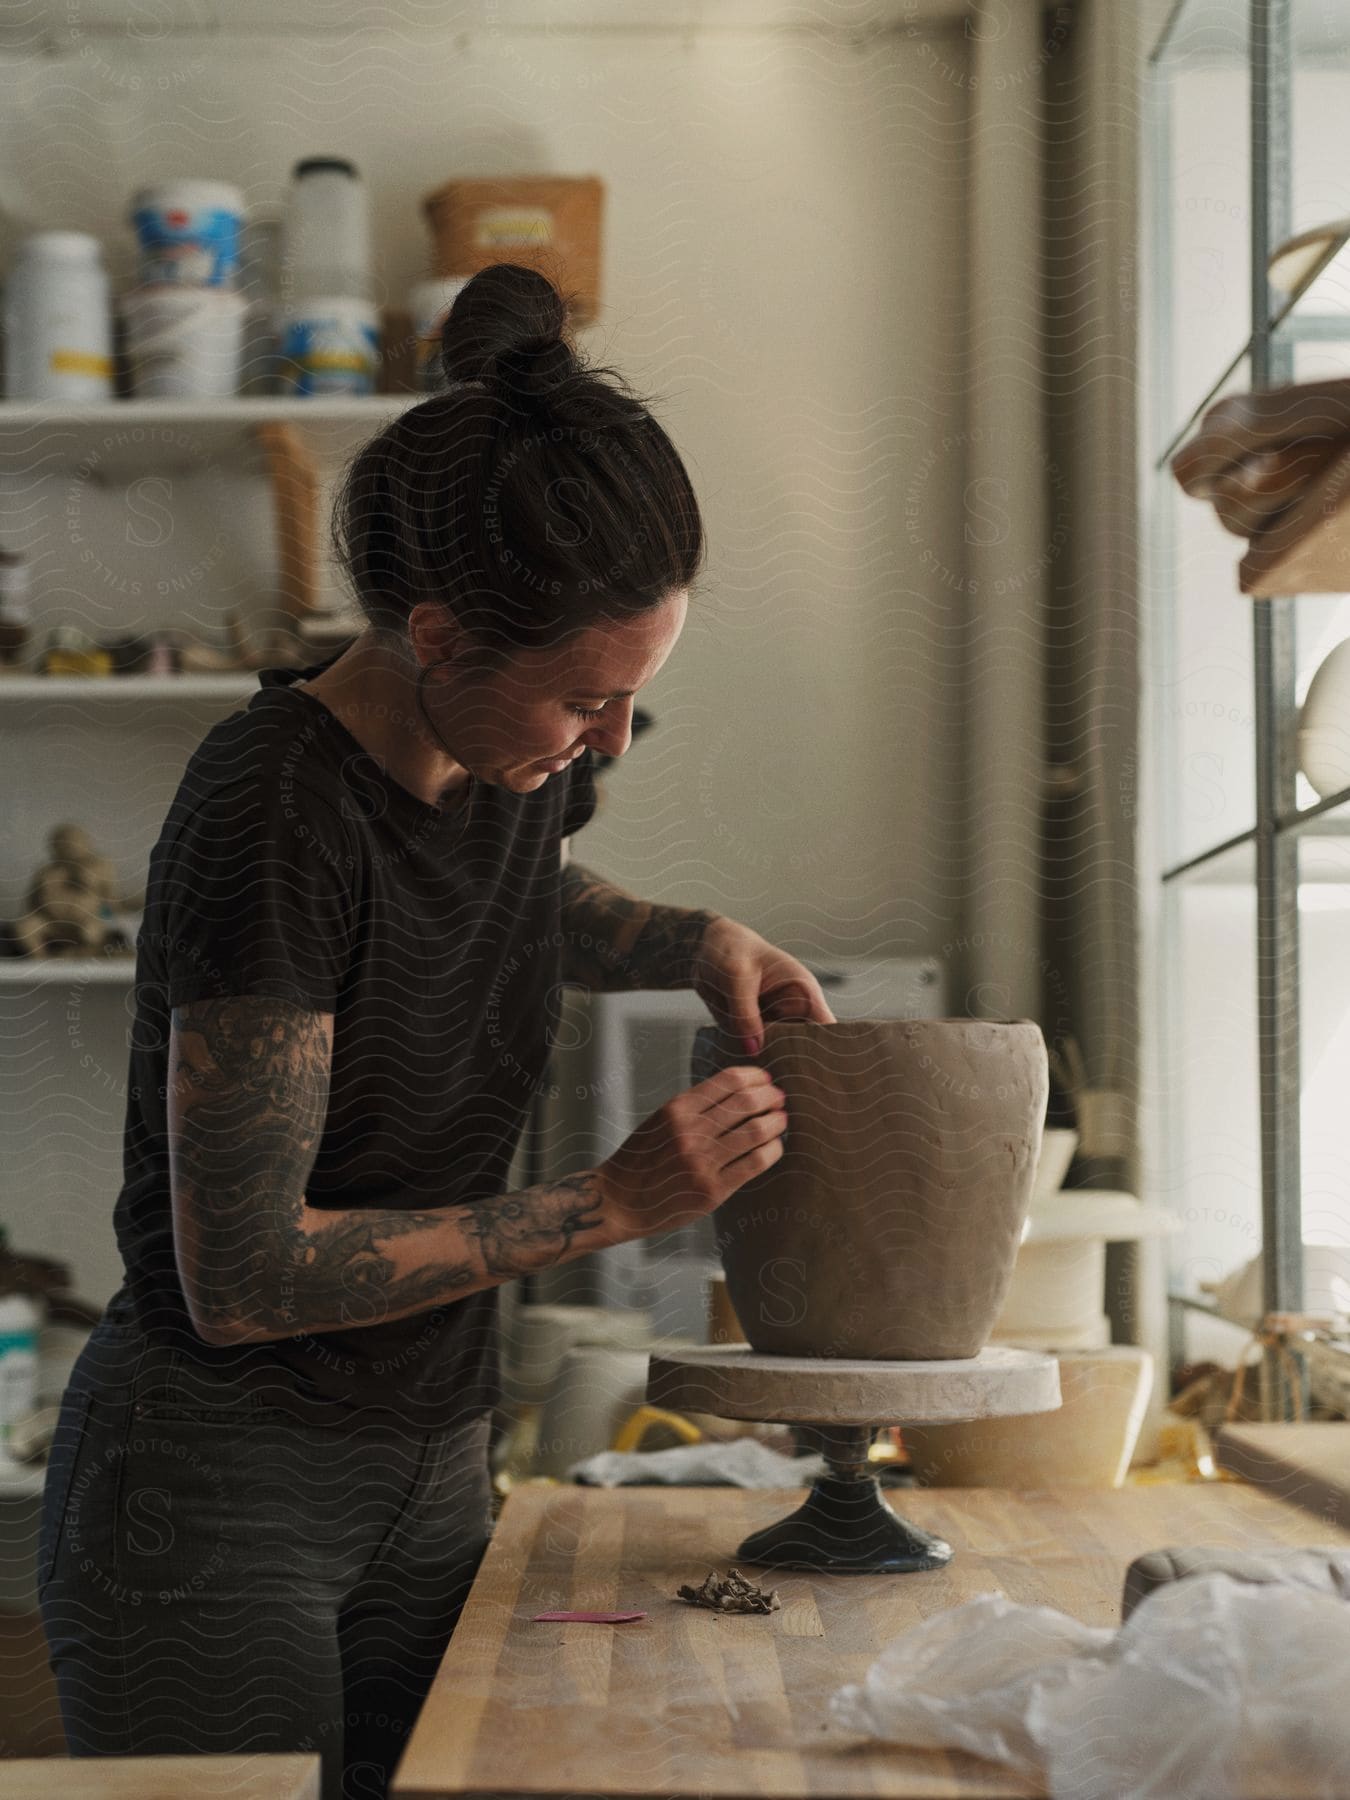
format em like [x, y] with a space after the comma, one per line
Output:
[745, 983]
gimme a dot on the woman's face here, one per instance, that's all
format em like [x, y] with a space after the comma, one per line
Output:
[516, 726]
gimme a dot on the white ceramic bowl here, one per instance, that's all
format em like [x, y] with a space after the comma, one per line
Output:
[1324, 724]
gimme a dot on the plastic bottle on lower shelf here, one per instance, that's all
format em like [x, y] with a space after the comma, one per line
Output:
[20, 1319]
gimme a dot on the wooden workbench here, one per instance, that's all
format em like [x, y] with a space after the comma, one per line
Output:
[161, 1778]
[692, 1702]
[1307, 1464]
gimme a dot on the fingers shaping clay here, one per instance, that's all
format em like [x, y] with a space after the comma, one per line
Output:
[888, 1229]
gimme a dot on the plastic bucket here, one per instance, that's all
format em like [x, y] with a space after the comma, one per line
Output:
[429, 302]
[184, 343]
[188, 233]
[329, 346]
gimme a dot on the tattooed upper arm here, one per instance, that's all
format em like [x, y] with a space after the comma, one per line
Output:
[248, 1093]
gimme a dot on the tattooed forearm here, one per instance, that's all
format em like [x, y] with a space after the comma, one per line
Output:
[613, 940]
[247, 1101]
[535, 1227]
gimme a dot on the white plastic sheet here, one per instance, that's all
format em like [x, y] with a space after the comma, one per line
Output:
[1214, 1687]
[741, 1462]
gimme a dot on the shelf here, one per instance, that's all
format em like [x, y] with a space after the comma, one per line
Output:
[117, 438]
[255, 410]
[37, 688]
[23, 971]
[1116, 1218]
[1192, 1303]
[244, 18]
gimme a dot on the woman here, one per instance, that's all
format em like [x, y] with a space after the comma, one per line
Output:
[269, 1491]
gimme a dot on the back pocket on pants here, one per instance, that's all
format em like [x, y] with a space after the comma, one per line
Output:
[62, 1463]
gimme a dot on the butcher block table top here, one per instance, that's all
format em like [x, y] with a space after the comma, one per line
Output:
[691, 1702]
[1308, 1464]
[161, 1778]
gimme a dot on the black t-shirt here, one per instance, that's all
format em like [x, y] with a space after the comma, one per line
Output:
[290, 864]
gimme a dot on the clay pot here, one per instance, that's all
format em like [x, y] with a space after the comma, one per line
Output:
[888, 1229]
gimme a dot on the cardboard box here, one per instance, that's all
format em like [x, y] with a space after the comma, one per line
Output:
[549, 223]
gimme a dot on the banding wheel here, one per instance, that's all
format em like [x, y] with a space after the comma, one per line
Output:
[845, 1525]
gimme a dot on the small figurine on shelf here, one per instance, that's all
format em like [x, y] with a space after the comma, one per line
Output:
[150, 654]
[71, 904]
[71, 651]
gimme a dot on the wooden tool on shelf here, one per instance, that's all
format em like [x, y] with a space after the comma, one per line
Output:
[295, 486]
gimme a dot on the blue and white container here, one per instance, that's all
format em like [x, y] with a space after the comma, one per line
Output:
[430, 301]
[19, 1324]
[188, 232]
[329, 346]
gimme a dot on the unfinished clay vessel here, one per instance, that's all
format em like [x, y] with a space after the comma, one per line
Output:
[888, 1228]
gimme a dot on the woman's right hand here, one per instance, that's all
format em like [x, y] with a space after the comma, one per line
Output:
[693, 1153]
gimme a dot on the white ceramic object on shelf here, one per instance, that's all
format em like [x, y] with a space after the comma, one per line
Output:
[1057, 1150]
[1324, 724]
[1326, 1285]
[1087, 1442]
[536, 1339]
[1058, 1286]
[594, 1391]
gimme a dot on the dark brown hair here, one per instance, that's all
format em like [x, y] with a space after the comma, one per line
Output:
[535, 497]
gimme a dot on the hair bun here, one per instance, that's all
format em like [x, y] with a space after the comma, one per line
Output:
[507, 328]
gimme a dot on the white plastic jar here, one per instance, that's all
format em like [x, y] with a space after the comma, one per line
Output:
[20, 1321]
[183, 343]
[430, 301]
[327, 245]
[58, 321]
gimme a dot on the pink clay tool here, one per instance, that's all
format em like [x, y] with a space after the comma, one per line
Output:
[588, 1618]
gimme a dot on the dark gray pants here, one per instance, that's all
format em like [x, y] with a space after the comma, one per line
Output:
[216, 1577]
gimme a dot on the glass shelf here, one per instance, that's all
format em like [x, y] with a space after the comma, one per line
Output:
[1202, 154]
[1208, 1069]
[1202, 699]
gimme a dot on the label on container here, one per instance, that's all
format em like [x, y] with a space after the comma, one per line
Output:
[328, 355]
[498, 227]
[79, 362]
[188, 246]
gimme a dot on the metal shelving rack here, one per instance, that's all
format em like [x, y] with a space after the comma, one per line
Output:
[1274, 836]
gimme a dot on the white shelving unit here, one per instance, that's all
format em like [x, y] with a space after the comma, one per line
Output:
[136, 516]
[38, 689]
[67, 971]
[768, 139]
[121, 436]
[234, 411]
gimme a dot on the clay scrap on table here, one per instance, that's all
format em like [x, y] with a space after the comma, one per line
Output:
[731, 1593]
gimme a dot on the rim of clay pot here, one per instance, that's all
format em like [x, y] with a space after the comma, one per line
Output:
[925, 1023]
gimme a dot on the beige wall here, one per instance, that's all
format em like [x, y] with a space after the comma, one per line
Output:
[785, 266]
